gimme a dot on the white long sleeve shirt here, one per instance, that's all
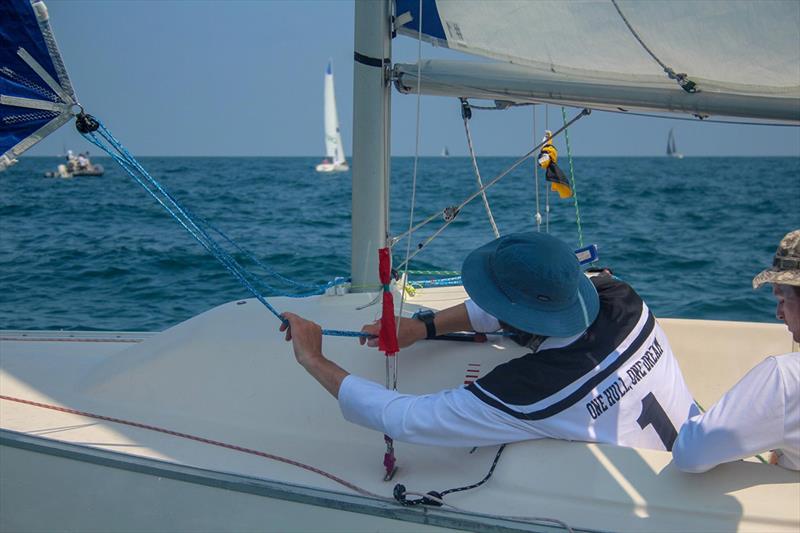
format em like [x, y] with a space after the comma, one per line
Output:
[760, 413]
[618, 382]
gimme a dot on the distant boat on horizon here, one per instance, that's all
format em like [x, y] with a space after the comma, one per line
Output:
[445, 152]
[671, 150]
[334, 149]
[79, 165]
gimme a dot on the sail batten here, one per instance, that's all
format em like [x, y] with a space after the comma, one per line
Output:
[36, 94]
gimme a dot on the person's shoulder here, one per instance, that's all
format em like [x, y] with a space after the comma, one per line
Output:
[611, 288]
[771, 376]
[784, 361]
[604, 278]
[787, 364]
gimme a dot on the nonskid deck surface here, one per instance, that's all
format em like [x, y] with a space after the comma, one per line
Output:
[228, 376]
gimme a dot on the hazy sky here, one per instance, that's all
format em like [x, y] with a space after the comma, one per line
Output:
[245, 78]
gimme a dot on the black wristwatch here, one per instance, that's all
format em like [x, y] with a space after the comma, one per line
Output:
[426, 316]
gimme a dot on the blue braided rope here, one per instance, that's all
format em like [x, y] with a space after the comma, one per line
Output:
[444, 282]
[316, 288]
[197, 227]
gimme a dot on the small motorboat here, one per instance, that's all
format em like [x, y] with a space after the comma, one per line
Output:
[76, 166]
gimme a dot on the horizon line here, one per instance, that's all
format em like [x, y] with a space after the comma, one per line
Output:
[432, 156]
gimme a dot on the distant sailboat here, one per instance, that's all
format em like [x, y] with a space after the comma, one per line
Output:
[334, 149]
[671, 150]
[445, 152]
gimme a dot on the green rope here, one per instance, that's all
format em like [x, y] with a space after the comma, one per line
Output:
[572, 179]
[435, 272]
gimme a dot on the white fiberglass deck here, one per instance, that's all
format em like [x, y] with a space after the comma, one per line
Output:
[227, 375]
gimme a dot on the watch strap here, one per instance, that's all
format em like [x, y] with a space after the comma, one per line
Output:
[427, 318]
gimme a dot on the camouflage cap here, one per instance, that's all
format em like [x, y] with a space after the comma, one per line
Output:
[785, 265]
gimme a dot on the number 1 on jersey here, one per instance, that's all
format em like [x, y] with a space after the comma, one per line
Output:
[653, 414]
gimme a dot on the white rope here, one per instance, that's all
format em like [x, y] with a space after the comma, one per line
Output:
[413, 184]
[478, 172]
[546, 188]
[538, 215]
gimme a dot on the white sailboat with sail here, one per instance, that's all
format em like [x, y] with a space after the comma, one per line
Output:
[210, 424]
[672, 151]
[335, 160]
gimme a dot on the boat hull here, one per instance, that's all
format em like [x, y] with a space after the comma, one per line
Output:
[63, 172]
[331, 167]
[200, 398]
[119, 492]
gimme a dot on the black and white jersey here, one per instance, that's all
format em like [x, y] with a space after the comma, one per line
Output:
[618, 382]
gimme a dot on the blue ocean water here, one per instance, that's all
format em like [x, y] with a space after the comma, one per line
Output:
[99, 253]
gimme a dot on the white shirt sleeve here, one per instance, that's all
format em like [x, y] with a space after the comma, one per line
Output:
[452, 417]
[747, 420]
[481, 321]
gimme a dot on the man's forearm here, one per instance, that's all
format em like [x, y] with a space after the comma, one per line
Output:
[329, 374]
[452, 319]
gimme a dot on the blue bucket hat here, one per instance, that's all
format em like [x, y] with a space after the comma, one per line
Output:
[533, 282]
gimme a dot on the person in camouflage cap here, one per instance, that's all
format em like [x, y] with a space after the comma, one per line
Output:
[785, 278]
[762, 411]
[785, 265]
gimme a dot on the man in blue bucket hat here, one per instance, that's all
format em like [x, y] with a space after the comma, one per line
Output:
[600, 368]
[533, 282]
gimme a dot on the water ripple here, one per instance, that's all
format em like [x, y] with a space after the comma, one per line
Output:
[98, 253]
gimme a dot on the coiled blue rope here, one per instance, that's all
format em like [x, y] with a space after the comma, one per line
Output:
[199, 228]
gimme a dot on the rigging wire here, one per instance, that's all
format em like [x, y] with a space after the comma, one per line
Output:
[413, 180]
[197, 228]
[546, 188]
[389, 459]
[682, 78]
[466, 115]
[538, 215]
[456, 209]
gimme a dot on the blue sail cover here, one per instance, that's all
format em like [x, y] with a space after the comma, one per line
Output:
[35, 92]
[432, 29]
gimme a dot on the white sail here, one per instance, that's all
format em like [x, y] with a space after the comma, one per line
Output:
[334, 148]
[701, 57]
[84, 415]
[672, 151]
